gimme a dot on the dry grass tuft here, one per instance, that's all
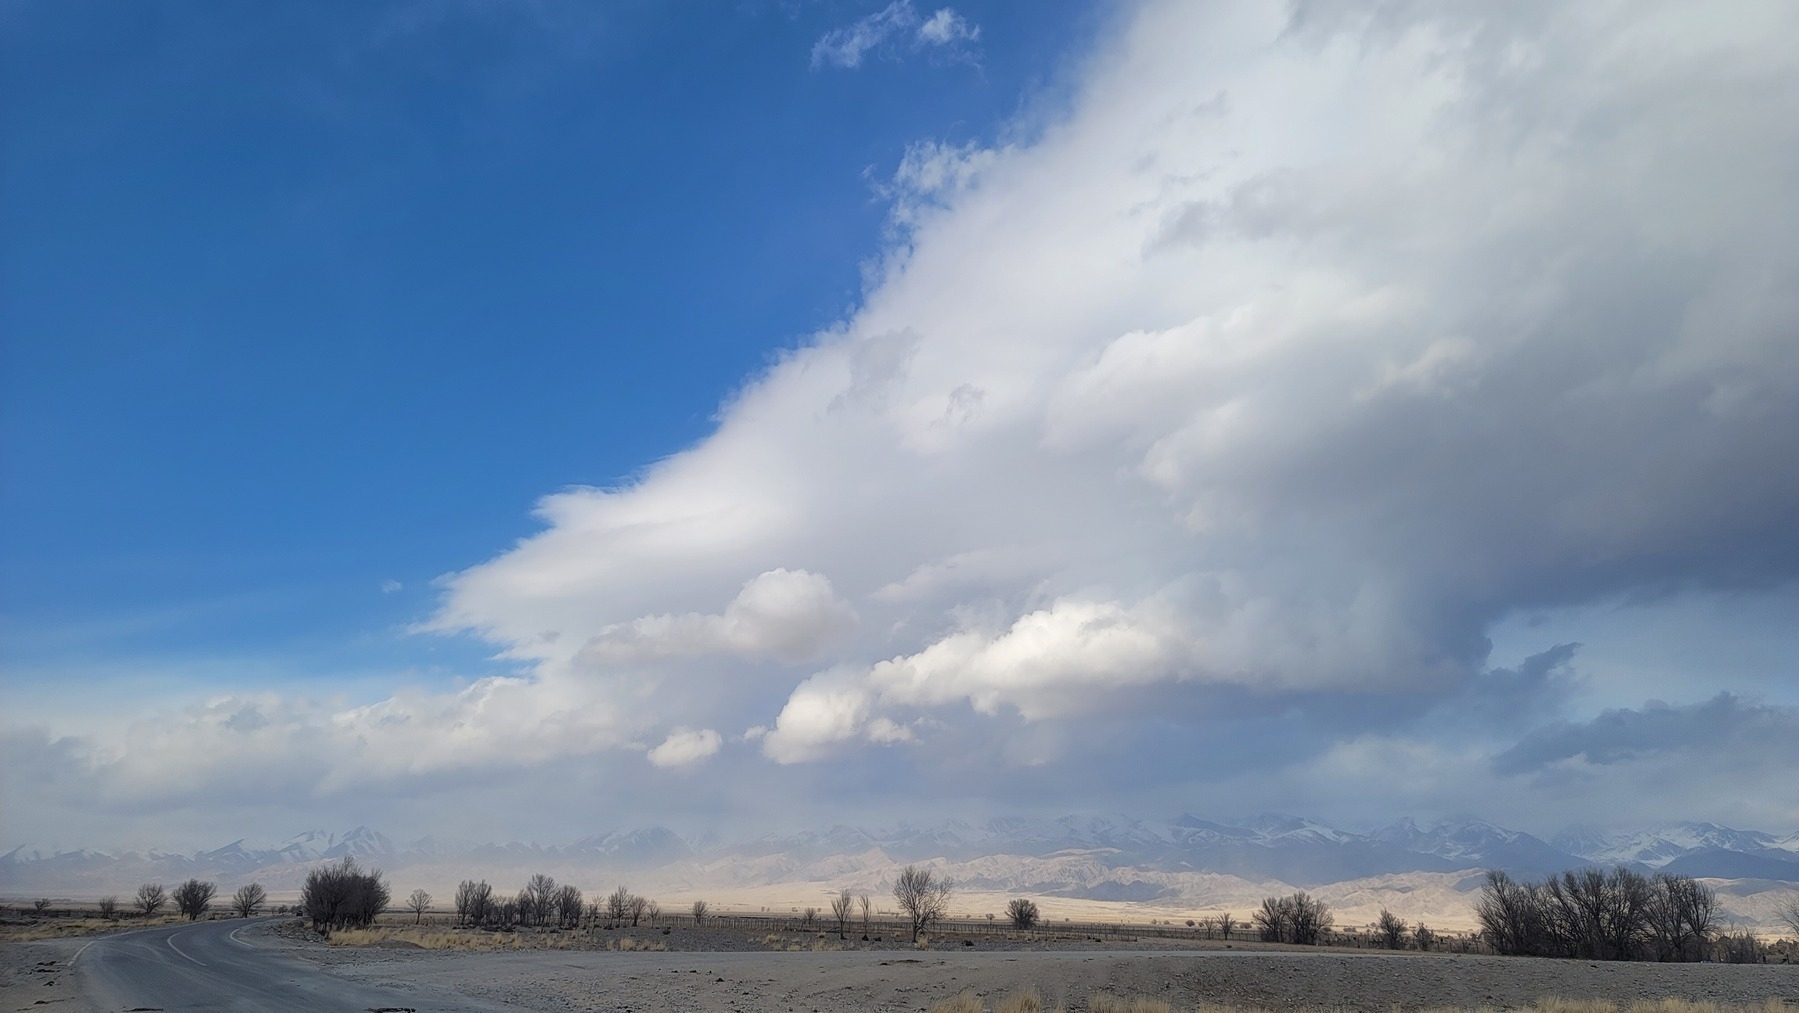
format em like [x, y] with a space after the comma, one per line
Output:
[424, 939]
[627, 944]
[1141, 1004]
[964, 1003]
[1027, 1001]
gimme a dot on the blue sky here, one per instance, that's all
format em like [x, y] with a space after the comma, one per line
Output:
[741, 416]
[304, 301]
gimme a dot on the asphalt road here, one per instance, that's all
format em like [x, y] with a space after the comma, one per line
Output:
[209, 966]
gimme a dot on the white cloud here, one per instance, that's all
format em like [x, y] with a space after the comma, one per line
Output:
[945, 27]
[684, 748]
[822, 712]
[897, 26]
[788, 614]
[1295, 359]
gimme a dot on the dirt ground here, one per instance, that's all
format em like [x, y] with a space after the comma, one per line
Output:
[721, 982]
[36, 975]
[724, 975]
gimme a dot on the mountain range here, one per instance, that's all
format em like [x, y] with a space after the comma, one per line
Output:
[1095, 858]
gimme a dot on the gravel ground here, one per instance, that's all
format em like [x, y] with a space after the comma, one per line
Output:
[737, 975]
[36, 976]
[896, 981]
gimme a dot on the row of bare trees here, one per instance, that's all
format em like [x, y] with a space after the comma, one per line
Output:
[1595, 914]
[192, 899]
[543, 901]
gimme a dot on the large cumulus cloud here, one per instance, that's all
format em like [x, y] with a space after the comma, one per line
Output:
[1301, 352]
[1304, 348]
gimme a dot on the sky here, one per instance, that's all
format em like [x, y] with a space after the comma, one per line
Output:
[528, 419]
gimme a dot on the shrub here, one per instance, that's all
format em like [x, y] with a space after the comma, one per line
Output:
[1741, 948]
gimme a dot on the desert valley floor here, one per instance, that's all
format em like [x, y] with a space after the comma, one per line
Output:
[706, 971]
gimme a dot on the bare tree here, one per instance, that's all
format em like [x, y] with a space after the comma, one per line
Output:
[1392, 930]
[248, 899]
[1698, 906]
[341, 894]
[1423, 937]
[618, 904]
[638, 907]
[1789, 913]
[568, 906]
[1023, 913]
[472, 902]
[841, 905]
[150, 898]
[652, 911]
[539, 896]
[193, 897]
[867, 906]
[699, 911]
[1510, 914]
[1593, 914]
[923, 896]
[418, 903]
[1298, 919]
[109, 906]
[40, 905]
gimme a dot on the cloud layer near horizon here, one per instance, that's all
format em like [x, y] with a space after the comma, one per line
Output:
[1239, 403]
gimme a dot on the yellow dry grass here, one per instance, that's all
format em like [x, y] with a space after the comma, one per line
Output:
[1027, 1001]
[426, 937]
[627, 944]
[787, 944]
[67, 928]
[1113, 1004]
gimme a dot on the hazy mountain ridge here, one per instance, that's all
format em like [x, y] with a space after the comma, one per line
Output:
[1094, 858]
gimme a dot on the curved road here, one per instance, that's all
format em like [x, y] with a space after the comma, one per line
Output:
[210, 966]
